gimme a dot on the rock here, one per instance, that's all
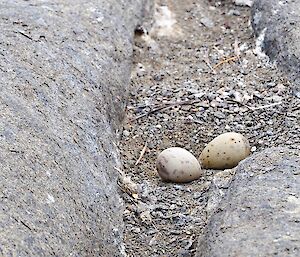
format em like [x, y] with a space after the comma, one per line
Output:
[276, 24]
[260, 212]
[64, 69]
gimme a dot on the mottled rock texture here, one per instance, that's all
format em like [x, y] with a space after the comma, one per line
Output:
[260, 212]
[278, 24]
[64, 72]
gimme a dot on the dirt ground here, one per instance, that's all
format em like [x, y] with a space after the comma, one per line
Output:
[198, 72]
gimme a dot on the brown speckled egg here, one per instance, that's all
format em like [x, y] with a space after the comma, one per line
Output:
[225, 151]
[176, 164]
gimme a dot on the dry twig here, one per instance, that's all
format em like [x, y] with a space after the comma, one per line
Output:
[207, 62]
[237, 51]
[264, 106]
[142, 154]
[165, 106]
[122, 174]
[233, 58]
[152, 111]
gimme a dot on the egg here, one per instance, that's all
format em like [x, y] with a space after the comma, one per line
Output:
[225, 151]
[176, 164]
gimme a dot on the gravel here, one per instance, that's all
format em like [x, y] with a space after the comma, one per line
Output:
[196, 83]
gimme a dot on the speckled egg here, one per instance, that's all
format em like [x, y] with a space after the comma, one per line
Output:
[225, 151]
[176, 164]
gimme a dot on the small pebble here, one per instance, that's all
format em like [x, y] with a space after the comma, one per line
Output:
[207, 22]
[233, 12]
[126, 133]
[253, 149]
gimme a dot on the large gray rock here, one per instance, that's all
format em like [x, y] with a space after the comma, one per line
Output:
[278, 25]
[260, 212]
[64, 71]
